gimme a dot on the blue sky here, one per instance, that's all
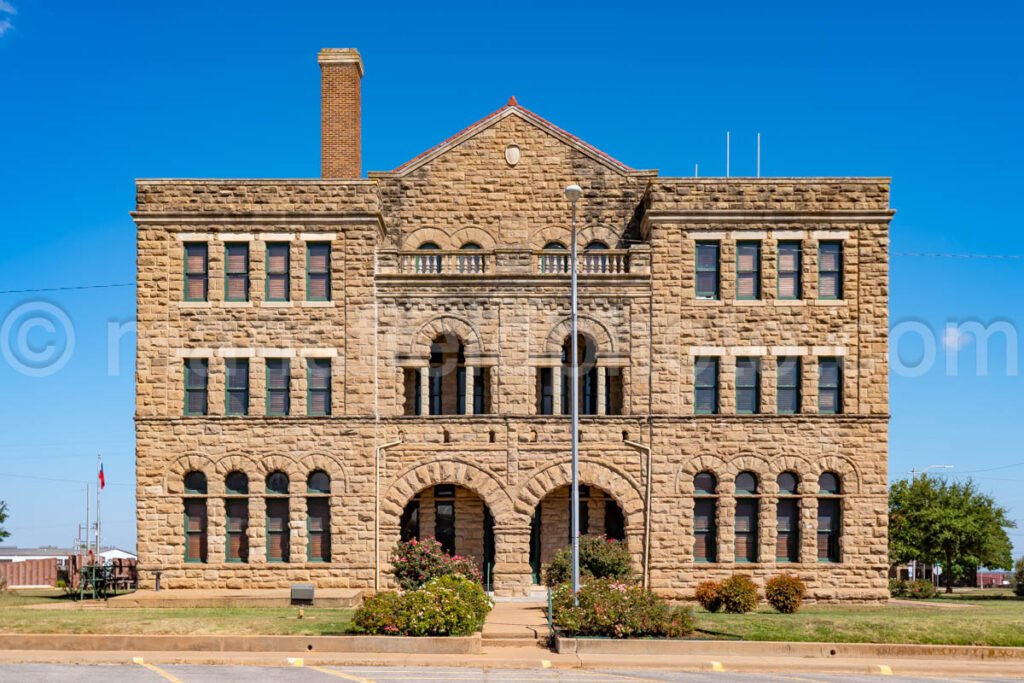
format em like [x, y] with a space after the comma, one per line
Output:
[97, 94]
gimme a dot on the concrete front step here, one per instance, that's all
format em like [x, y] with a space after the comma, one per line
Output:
[498, 641]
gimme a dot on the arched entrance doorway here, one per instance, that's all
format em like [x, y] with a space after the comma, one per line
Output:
[551, 523]
[459, 520]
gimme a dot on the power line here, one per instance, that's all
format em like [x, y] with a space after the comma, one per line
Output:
[64, 481]
[991, 469]
[65, 289]
[923, 254]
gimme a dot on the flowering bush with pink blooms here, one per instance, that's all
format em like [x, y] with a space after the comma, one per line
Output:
[416, 562]
[445, 606]
[613, 609]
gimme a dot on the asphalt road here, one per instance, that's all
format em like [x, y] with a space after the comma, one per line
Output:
[30, 673]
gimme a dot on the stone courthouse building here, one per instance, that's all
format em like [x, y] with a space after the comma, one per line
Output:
[328, 365]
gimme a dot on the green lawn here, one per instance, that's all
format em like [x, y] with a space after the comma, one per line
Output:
[961, 619]
[60, 615]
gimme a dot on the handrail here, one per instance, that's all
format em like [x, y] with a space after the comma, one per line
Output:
[437, 262]
[603, 262]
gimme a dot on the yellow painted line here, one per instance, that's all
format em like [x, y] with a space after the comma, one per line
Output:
[296, 661]
[339, 674]
[884, 670]
[155, 669]
[545, 663]
[717, 666]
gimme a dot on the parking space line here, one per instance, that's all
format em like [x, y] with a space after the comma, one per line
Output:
[155, 669]
[340, 674]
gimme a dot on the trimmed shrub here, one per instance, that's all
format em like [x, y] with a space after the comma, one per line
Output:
[739, 594]
[1018, 578]
[600, 558]
[446, 606]
[709, 595]
[897, 588]
[921, 589]
[613, 609]
[418, 561]
[785, 593]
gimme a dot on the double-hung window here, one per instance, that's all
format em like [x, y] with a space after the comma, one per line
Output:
[237, 390]
[830, 270]
[748, 385]
[748, 270]
[318, 271]
[830, 386]
[788, 398]
[789, 270]
[706, 383]
[236, 271]
[319, 379]
[278, 271]
[197, 271]
[278, 383]
[197, 376]
[707, 270]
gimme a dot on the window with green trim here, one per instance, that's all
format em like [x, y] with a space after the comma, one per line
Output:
[706, 385]
[830, 270]
[197, 270]
[318, 271]
[830, 386]
[197, 377]
[748, 270]
[236, 271]
[748, 385]
[195, 521]
[830, 518]
[277, 528]
[318, 399]
[278, 386]
[318, 517]
[788, 380]
[787, 519]
[790, 286]
[748, 505]
[236, 506]
[707, 270]
[278, 271]
[705, 518]
[237, 386]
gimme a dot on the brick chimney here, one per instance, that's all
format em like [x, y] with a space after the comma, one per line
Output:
[341, 70]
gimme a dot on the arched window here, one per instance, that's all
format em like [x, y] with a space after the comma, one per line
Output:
[586, 352]
[448, 378]
[747, 506]
[236, 507]
[428, 262]
[318, 516]
[195, 517]
[787, 519]
[554, 259]
[278, 545]
[830, 517]
[593, 260]
[471, 263]
[705, 518]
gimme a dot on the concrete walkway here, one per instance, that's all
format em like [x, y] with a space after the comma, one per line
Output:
[516, 624]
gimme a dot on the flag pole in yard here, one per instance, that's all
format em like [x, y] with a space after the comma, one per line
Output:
[99, 486]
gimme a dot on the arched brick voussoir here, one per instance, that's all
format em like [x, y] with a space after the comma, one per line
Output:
[450, 471]
[329, 464]
[416, 238]
[703, 463]
[472, 234]
[174, 479]
[550, 233]
[849, 474]
[618, 485]
[443, 325]
[748, 462]
[274, 463]
[588, 326]
[601, 233]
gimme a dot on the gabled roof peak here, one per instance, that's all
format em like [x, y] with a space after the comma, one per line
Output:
[512, 102]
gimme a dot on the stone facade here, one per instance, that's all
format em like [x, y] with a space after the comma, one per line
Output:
[505, 305]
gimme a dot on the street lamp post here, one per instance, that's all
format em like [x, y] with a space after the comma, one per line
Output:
[573, 193]
[913, 475]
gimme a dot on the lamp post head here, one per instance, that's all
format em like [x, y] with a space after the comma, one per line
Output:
[573, 193]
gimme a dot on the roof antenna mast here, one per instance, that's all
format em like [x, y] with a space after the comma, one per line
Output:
[726, 154]
[758, 155]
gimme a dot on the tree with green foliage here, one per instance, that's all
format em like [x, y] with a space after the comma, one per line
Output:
[1018, 578]
[948, 523]
[3, 518]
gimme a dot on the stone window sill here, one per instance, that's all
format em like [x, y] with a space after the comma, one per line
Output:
[277, 304]
[195, 304]
[318, 304]
[237, 304]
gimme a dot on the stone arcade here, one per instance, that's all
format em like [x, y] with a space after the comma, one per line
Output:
[328, 365]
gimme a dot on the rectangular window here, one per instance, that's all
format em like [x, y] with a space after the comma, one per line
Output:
[278, 385]
[409, 523]
[789, 270]
[748, 385]
[237, 390]
[277, 530]
[197, 377]
[238, 529]
[746, 529]
[319, 379]
[748, 270]
[318, 271]
[706, 381]
[830, 270]
[195, 530]
[319, 529]
[705, 544]
[197, 265]
[707, 270]
[444, 524]
[545, 392]
[830, 386]
[787, 543]
[236, 271]
[278, 271]
[788, 385]
[481, 381]
[829, 525]
[411, 387]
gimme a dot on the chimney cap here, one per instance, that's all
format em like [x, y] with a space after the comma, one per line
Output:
[340, 55]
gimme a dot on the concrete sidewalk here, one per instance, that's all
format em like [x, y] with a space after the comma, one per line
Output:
[512, 624]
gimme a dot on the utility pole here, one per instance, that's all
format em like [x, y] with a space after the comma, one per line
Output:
[573, 193]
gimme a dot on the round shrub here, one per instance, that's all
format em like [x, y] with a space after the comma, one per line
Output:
[445, 606]
[921, 589]
[463, 603]
[709, 595]
[739, 594]
[897, 588]
[416, 562]
[600, 558]
[613, 609]
[380, 615]
[785, 593]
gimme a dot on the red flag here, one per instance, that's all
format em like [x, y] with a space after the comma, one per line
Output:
[103, 481]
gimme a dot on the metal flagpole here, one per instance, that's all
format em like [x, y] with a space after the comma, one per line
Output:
[573, 193]
[99, 464]
[86, 520]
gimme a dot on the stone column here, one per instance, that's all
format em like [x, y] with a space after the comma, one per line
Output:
[470, 380]
[512, 574]
[601, 407]
[556, 390]
[425, 390]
